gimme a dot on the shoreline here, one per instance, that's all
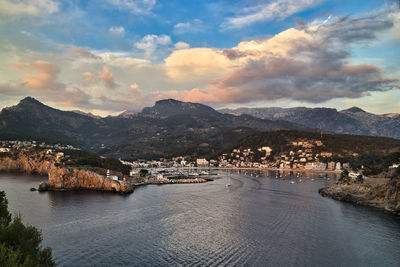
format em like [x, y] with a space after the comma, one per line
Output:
[385, 196]
[256, 169]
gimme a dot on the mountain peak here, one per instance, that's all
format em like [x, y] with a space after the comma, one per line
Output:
[170, 107]
[354, 109]
[168, 101]
[127, 114]
[29, 100]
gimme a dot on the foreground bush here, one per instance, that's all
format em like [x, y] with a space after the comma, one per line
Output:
[20, 244]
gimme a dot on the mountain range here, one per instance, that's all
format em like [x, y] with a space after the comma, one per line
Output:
[169, 128]
[349, 121]
[172, 128]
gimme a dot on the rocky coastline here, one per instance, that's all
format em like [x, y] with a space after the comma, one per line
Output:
[61, 178]
[385, 196]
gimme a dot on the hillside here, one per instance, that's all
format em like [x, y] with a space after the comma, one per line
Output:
[350, 121]
[294, 145]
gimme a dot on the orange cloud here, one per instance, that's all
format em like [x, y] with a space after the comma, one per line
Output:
[44, 75]
[107, 78]
[197, 64]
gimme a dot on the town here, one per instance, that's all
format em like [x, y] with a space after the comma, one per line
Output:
[304, 155]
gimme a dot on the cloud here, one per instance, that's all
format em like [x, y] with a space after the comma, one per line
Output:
[122, 59]
[69, 97]
[134, 6]
[188, 27]
[117, 31]
[135, 89]
[150, 42]
[196, 64]
[278, 9]
[182, 45]
[43, 75]
[53, 78]
[134, 86]
[41, 81]
[88, 78]
[107, 77]
[28, 7]
[310, 64]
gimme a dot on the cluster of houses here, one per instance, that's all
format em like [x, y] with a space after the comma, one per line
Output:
[302, 155]
[175, 162]
[6, 145]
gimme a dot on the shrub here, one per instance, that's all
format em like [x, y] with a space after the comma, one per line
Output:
[20, 244]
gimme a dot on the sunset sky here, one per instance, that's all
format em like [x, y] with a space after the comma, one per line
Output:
[107, 56]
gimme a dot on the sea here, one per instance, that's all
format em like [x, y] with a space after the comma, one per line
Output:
[262, 219]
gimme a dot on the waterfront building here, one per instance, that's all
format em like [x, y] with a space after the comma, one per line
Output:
[315, 166]
[331, 165]
[338, 166]
[202, 162]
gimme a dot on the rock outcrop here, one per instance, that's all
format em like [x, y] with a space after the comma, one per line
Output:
[61, 178]
[385, 196]
[38, 163]
[43, 186]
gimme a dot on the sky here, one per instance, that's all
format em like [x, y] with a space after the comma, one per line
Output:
[107, 56]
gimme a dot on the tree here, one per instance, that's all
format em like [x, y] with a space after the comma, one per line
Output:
[20, 244]
[143, 172]
[344, 176]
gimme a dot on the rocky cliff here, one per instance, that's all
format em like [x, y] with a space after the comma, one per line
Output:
[385, 196]
[78, 179]
[61, 178]
[39, 163]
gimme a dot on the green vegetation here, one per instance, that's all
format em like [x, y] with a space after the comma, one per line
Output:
[98, 162]
[20, 244]
[143, 172]
[378, 165]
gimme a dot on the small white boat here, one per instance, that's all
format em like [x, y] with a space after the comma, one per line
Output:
[228, 184]
[292, 182]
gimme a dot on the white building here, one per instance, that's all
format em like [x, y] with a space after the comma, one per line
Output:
[394, 166]
[338, 166]
[202, 162]
[315, 166]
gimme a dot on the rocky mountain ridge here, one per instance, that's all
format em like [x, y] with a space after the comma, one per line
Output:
[349, 121]
[169, 128]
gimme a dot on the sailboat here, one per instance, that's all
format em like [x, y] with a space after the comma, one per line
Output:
[229, 181]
